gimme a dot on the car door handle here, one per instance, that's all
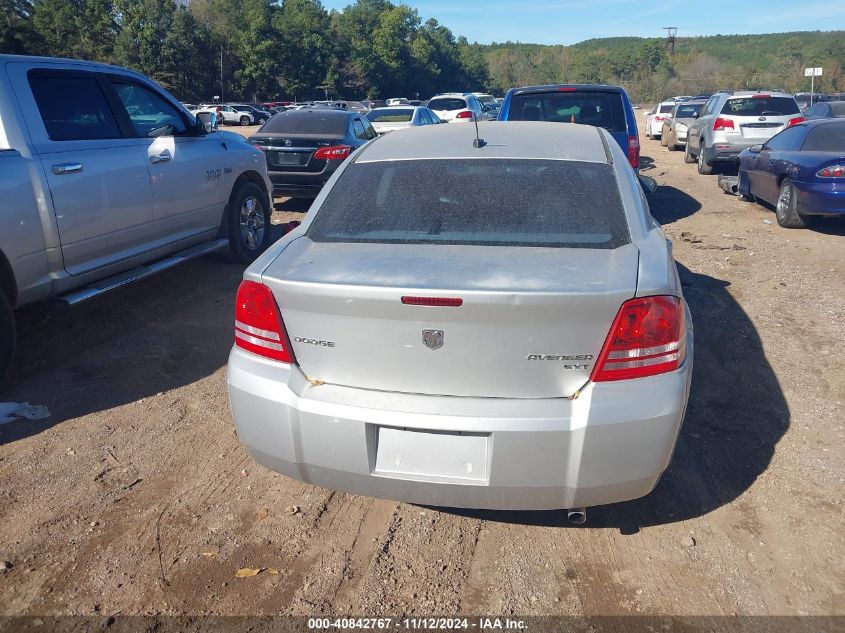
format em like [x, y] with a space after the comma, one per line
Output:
[161, 158]
[62, 169]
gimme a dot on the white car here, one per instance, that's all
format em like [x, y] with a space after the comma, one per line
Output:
[392, 118]
[654, 119]
[397, 101]
[457, 107]
[230, 115]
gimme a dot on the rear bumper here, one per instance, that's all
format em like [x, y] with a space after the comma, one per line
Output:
[727, 151]
[300, 184]
[821, 198]
[610, 444]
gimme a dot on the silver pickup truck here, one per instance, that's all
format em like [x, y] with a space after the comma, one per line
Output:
[105, 179]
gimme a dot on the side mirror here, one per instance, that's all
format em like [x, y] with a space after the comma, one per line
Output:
[203, 126]
[755, 149]
[648, 183]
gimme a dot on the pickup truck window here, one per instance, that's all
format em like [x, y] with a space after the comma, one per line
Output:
[151, 114]
[72, 106]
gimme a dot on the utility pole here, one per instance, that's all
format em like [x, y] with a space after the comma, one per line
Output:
[221, 73]
[671, 33]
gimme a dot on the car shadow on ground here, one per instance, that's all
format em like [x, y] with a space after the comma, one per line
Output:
[669, 204]
[833, 225]
[145, 339]
[736, 415]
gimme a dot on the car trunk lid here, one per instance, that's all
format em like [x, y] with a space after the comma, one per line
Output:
[293, 152]
[531, 323]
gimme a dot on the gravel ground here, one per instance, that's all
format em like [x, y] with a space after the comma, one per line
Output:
[135, 496]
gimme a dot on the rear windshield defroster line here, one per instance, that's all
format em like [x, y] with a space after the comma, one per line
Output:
[503, 202]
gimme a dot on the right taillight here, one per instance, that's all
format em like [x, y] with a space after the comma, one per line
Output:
[647, 338]
[723, 124]
[831, 171]
[634, 151]
[335, 152]
[258, 323]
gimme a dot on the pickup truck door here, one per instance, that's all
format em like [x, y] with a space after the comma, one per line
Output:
[190, 173]
[100, 187]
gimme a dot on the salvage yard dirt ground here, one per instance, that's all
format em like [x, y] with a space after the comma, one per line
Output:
[135, 496]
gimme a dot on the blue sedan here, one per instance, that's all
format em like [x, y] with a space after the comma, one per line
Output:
[801, 171]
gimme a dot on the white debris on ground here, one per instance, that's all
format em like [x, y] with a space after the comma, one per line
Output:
[10, 411]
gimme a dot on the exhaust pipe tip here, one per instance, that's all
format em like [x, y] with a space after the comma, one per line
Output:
[577, 516]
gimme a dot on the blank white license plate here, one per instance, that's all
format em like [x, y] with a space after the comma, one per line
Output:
[289, 158]
[432, 455]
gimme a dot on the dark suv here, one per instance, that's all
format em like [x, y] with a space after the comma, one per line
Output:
[599, 105]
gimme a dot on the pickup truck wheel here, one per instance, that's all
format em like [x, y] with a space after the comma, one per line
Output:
[245, 120]
[8, 336]
[688, 157]
[672, 143]
[704, 168]
[249, 223]
[786, 209]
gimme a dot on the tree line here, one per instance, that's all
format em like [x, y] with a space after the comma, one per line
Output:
[253, 49]
[645, 67]
[296, 49]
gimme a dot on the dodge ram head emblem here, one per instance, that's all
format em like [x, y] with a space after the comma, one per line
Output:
[433, 339]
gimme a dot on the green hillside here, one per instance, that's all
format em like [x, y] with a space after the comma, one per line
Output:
[699, 64]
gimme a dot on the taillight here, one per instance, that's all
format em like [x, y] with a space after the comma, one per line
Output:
[795, 121]
[659, 117]
[831, 171]
[258, 324]
[466, 114]
[760, 96]
[646, 338]
[723, 124]
[335, 152]
[634, 151]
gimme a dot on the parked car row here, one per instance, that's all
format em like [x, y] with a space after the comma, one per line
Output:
[793, 161]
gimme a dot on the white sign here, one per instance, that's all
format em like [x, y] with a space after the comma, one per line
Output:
[812, 72]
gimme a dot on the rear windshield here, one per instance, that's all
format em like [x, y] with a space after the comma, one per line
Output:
[447, 104]
[760, 106]
[503, 202]
[826, 138]
[398, 115]
[305, 122]
[664, 109]
[601, 109]
[687, 111]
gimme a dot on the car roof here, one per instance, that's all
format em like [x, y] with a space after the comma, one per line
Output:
[811, 123]
[750, 93]
[517, 139]
[577, 87]
[321, 111]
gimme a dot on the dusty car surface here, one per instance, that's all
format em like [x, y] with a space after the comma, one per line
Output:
[493, 327]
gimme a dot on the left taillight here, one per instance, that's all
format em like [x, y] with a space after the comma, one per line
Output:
[831, 171]
[258, 324]
[634, 151]
[647, 338]
[335, 152]
[466, 114]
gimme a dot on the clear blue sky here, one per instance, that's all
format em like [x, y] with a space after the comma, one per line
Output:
[571, 21]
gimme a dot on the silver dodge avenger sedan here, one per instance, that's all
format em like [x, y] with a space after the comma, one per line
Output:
[494, 324]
